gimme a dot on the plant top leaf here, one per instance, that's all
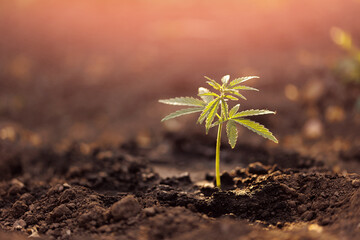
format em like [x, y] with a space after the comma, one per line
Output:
[225, 79]
[245, 88]
[206, 99]
[213, 83]
[183, 101]
[209, 94]
[241, 80]
[252, 112]
[231, 97]
[236, 93]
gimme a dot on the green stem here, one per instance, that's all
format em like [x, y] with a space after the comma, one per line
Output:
[217, 158]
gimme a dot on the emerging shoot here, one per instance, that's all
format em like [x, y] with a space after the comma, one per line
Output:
[214, 111]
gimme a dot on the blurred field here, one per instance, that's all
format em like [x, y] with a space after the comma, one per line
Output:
[93, 70]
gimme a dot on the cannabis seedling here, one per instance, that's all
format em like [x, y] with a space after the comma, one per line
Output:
[209, 105]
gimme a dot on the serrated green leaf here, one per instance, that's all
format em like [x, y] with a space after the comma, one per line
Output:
[245, 88]
[184, 101]
[182, 112]
[252, 112]
[234, 110]
[209, 94]
[239, 95]
[211, 116]
[207, 110]
[231, 97]
[235, 92]
[224, 109]
[206, 99]
[257, 128]
[232, 133]
[213, 83]
[241, 80]
[225, 79]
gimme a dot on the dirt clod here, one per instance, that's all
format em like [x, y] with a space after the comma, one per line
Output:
[150, 211]
[308, 215]
[60, 212]
[125, 208]
[19, 224]
[19, 208]
[356, 183]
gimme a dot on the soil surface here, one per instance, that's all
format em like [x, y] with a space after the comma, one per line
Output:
[115, 194]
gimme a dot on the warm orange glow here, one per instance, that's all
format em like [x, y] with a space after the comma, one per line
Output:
[67, 62]
[136, 37]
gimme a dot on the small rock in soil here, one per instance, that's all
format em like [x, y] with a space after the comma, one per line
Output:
[30, 218]
[67, 196]
[27, 197]
[308, 215]
[125, 208]
[19, 224]
[96, 213]
[59, 212]
[302, 208]
[184, 177]
[19, 208]
[150, 211]
[292, 203]
[355, 182]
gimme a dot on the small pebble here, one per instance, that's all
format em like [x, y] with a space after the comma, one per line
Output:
[356, 183]
[125, 208]
[308, 215]
[302, 208]
[150, 211]
[19, 224]
[184, 177]
[292, 203]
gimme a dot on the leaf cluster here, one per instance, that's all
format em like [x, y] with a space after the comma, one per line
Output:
[213, 107]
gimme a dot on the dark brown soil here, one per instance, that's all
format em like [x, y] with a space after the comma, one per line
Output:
[113, 194]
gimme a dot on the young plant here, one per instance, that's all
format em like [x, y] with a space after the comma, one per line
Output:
[215, 111]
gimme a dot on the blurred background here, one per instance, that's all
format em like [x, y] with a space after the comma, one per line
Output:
[92, 71]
